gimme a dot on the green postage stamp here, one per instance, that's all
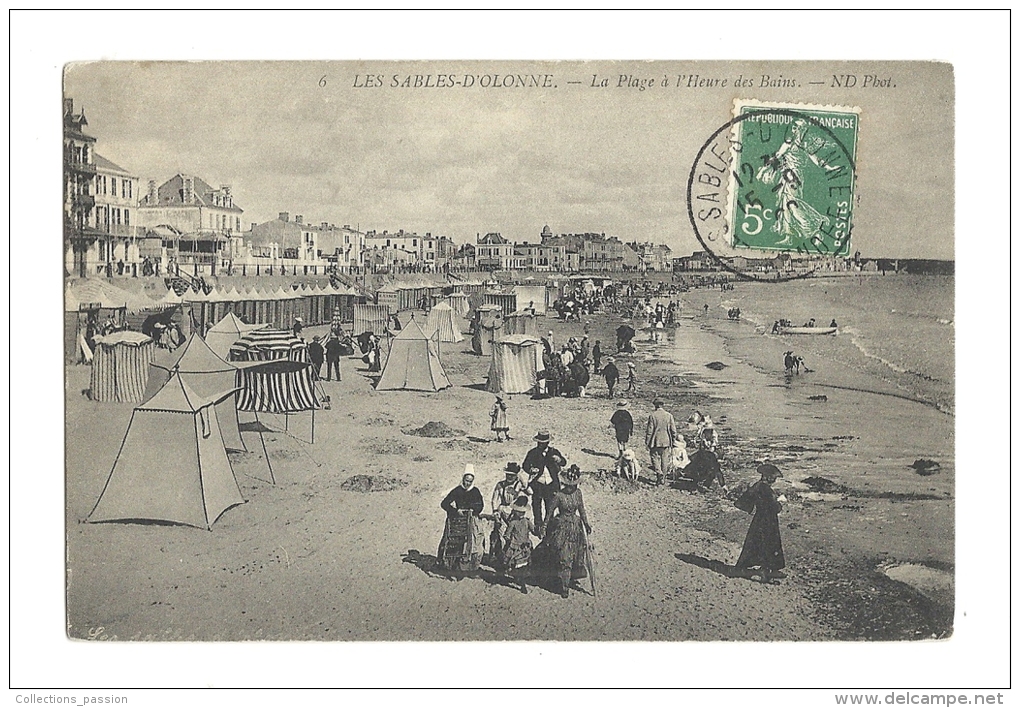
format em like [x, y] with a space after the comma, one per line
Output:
[793, 186]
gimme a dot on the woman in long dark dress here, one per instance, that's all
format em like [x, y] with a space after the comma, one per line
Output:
[562, 551]
[763, 548]
[463, 541]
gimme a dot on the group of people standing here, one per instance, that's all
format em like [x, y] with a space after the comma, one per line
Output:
[545, 483]
[667, 446]
[565, 372]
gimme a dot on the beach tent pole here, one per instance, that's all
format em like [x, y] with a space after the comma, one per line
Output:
[313, 426]
[286, 422]
[265, 452]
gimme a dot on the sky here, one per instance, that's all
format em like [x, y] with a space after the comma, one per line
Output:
[311, 138]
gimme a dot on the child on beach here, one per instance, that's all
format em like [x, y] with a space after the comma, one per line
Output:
[516, 544]
[498, 419]
[631, 378]
[763, 548]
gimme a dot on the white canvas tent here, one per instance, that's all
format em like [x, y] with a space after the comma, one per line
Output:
[516, 361]
[413, 363]
[207, 374]
[172, 465]
[226, 332]
[532, 296]
[442, 321]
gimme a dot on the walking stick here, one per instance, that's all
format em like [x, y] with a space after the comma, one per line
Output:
[589, 560]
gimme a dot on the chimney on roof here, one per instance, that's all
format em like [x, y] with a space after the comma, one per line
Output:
[324, 226]
[298, 219]
[228, 201]
[153, 197]
[284, 216]
[188, 197]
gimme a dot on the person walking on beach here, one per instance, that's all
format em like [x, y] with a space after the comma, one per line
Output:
[504, 494]
[515, 544]
[623, 423]
[612, 375]
[462, 545]
[763, 547]
[542, 465]
[499, 423]
[596, 356]
[333, 348]
[564, 547]
[631, 378]
[316, 354]
[660, 434]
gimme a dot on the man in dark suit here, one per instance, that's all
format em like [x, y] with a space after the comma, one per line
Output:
[333, 349]
[543, 464]
[316, 354]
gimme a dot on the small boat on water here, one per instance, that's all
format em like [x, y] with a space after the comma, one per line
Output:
[807, 330]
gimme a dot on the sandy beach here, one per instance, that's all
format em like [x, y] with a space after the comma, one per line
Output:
[322, 556]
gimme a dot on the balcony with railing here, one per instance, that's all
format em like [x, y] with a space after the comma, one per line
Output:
[77, 166]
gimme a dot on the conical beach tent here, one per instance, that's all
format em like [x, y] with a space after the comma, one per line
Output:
[172, 465]
[207, 374]
[227, 331]
[413, 363]
[441, 320]
[516, 361]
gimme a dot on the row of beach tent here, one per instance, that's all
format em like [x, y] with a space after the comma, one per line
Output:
[190, 406]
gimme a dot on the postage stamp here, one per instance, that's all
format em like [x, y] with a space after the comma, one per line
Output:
[793, 179]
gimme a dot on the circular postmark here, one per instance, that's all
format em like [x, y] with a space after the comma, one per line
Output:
[771, 192]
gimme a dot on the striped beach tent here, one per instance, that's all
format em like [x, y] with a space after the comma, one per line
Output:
[525, 321]
[286, 387]
[370, 318]
[120, 367]
[227, 331]
[459, 303]
[441, 320]
[516, 361]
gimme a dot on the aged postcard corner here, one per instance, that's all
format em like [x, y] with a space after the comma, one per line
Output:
[495, 351]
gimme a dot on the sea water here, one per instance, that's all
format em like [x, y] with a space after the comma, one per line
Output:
[899, 328]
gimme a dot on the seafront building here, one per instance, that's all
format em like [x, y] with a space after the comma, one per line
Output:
[199, 224]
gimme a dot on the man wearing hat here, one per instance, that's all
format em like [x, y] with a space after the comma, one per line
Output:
[660, 434]
[623, 422]
[333, 351]
[316, 355]
[542, 465]
[299, 324]
[612, 375]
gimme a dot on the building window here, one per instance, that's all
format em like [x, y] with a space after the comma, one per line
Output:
[127, 218]
[238, 228]
[131, 191]
[113, 185]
